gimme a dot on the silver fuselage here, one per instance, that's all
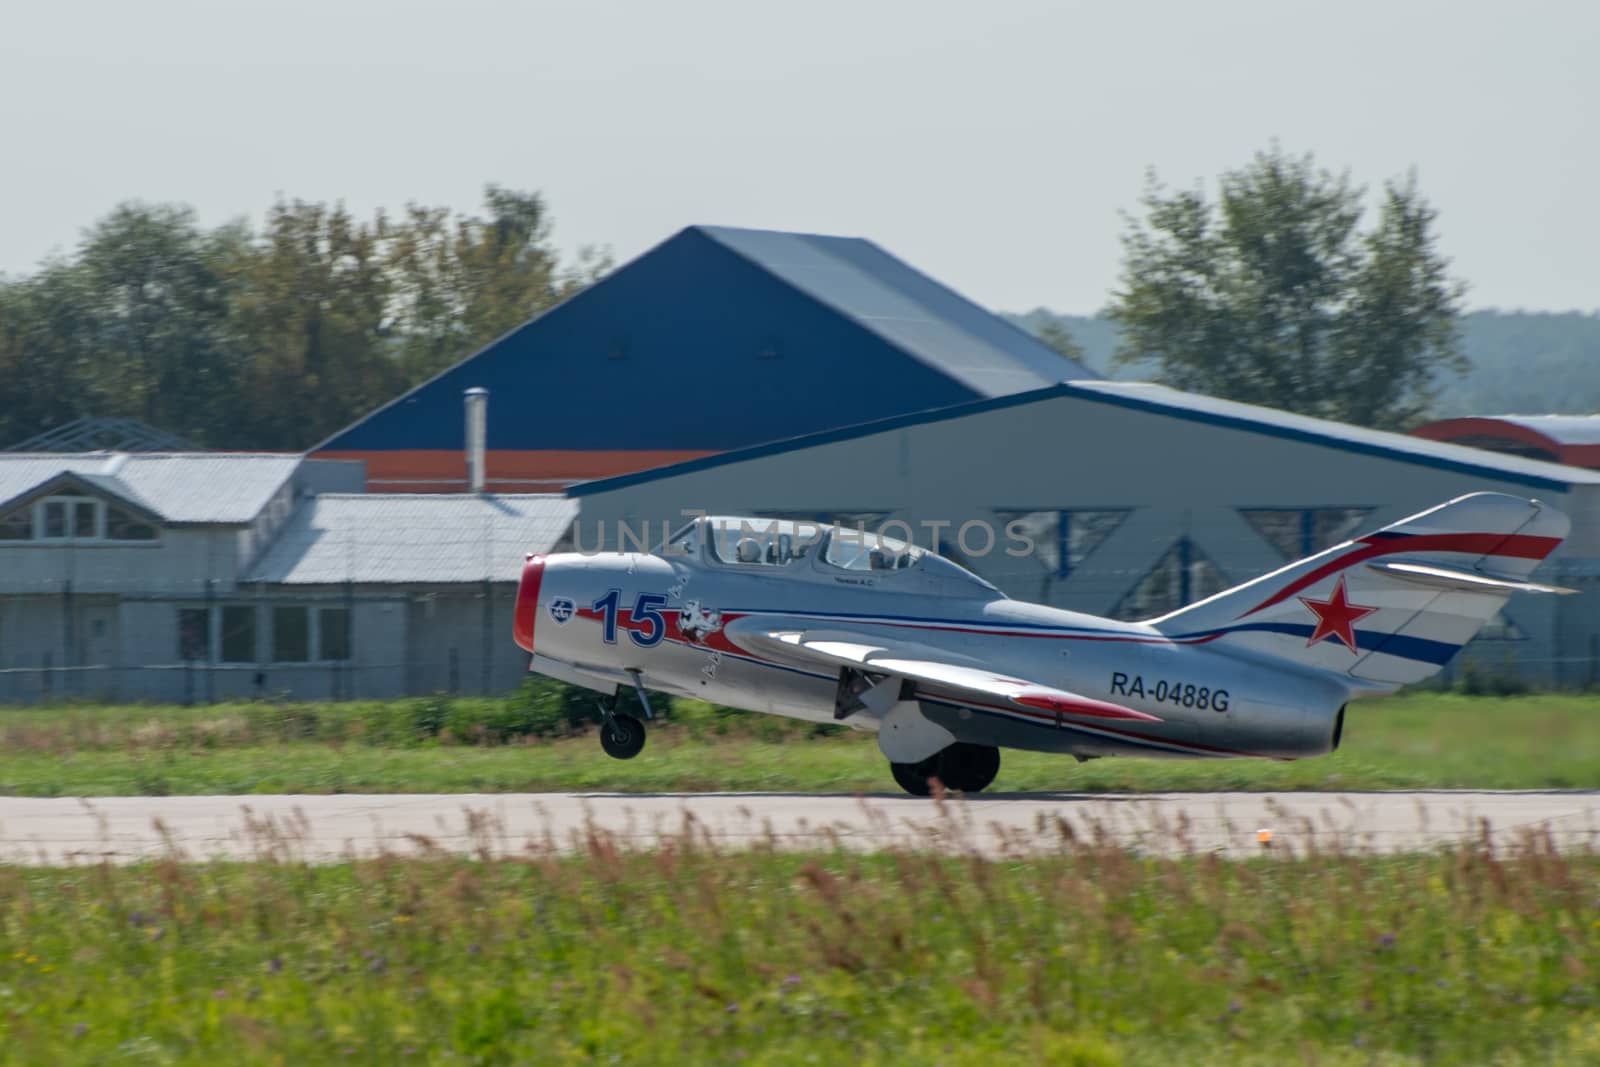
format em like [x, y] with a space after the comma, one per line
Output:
[612, 618]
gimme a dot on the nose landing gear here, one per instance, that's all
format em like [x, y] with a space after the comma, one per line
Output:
[621, 735]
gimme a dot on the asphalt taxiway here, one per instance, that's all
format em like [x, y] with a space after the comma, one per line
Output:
[323, 828]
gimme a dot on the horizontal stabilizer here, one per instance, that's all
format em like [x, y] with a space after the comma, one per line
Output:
[1471, 581]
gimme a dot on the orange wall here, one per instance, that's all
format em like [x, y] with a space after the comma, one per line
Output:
[506, 471]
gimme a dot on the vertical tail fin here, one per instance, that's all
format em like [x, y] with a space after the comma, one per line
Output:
[1391, 607]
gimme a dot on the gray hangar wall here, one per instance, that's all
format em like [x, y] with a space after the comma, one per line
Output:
[1138, 498]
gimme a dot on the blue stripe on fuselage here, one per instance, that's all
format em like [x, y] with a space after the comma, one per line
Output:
[1404, 646]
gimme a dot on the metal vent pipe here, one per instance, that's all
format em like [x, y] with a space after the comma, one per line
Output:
[477, 401]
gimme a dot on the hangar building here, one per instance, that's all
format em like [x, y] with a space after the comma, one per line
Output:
[717, 338]
[1137, 499]
[1573, 439]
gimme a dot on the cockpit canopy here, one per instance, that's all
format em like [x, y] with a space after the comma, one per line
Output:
[741, 541]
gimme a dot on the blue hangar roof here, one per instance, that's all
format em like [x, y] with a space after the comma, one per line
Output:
[719, 338]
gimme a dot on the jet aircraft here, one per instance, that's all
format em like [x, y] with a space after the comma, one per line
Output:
[837, 624]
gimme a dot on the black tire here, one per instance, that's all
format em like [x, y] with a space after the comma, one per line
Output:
[969, 768]
[622, 737]
[913, 777]
[964, 767]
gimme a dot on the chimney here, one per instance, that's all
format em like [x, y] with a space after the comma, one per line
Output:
[477, 400]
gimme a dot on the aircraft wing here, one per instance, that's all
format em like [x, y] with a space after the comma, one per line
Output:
[923, 664]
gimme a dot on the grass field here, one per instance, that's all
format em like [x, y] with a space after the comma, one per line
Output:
[682, 955]
[1547, 741]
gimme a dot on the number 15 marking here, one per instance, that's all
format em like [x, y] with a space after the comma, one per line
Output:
[646, 612]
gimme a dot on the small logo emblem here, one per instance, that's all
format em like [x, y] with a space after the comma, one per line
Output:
[562, 608]
[698, 623]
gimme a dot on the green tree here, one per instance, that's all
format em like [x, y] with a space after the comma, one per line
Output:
[271, 340]
[462, 282]
[155, 288]
[310, 310]
[1273, 295]
[47, 369]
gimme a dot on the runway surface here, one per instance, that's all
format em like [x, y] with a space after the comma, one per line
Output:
[122, 829]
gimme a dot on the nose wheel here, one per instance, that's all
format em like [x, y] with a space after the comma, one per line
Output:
[622, 736]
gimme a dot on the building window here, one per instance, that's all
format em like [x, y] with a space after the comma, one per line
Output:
[333, 634]
[1301, 532]
[54, 527]
[1183, 575]
[1063, 538]
[194, 634]
[68, 516]
[86, 519]
[74, 517]
[239, 633]
[291, 635]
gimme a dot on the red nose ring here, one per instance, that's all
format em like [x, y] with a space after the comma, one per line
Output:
[528, 602]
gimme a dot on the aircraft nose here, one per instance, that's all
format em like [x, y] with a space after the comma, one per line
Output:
[527, 611]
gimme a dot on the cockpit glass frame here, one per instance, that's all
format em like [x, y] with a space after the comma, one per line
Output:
[858, 550]
[760, 542]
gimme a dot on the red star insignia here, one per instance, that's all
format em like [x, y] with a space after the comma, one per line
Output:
[1336, 617]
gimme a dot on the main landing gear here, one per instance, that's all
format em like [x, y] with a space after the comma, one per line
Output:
[621, 735]
[963, 766]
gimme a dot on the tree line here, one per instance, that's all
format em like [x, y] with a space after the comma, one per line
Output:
[1272, 292]
[273, 339]
[1527, 362]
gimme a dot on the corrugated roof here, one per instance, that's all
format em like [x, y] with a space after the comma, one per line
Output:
[225, 488]
[909, 309]
[408, 537]
[1177, 404]
[716, 338]
[1342, 435]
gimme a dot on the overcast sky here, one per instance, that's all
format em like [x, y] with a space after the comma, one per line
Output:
[991, 144]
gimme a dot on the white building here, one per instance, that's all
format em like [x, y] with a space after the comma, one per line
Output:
[203, 576]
